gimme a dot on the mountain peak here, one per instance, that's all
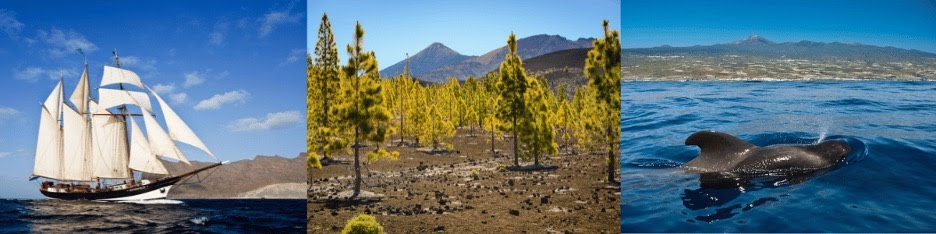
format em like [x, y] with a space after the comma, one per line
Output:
[437, 47]
[753, 39]
[433, 56]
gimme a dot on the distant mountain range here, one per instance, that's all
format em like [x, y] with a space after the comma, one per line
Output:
[756, 58]
[261, 177]
[436, 63]
[758, 46]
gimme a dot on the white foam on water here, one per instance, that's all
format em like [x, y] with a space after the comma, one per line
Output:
[199, 220]
[157, 201]
[822, 134]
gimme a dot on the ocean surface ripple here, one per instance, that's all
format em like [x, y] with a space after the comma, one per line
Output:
[885, 185]
[168, 216]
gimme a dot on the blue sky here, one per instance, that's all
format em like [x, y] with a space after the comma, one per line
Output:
[233, 70]
[394, 28]
[904, 23]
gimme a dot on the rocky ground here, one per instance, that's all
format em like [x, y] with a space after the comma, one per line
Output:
[468, 191]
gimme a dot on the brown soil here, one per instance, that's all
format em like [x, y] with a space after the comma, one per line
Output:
[437, 192]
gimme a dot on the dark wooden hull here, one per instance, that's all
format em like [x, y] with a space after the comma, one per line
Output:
[155, 190]
[116, 194]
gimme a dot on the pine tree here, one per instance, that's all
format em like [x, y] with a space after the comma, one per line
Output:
[440, 125]
[473, 100]
[566, 116]
[603, 69]
[487, 114]
[512, 86]
[452, 97]
[324, 137]
[363, 111]
[400, 101]
[538, 129]
[312, 159]
[584, 127]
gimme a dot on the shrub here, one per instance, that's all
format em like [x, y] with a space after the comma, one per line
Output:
[362, 224]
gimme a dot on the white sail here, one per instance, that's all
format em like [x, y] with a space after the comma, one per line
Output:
[160, 142]
[112, 97]
[80, 96]
[77, 139]
[54, 102]
[177, 128]
[113, 75]
[48, 162]
[109, 148]
[141, 155]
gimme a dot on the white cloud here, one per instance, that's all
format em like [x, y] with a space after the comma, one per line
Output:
[164, 88]
[217, 35]
[8, 113]
[167, 89]
[215, 102]
[295, 55]
[9, 24]
[271, 121]
[178, 98]
[137, 63]
[63, 43]
[32, 74]
[193, 79]
[274, 19]
[17, 152]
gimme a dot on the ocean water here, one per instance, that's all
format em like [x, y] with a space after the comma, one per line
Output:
[168, 216]
[886, 184]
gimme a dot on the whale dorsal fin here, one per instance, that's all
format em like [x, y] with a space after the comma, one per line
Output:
[719, 150]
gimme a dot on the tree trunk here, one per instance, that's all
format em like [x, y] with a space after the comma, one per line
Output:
[402, 116]
[611, 159]
[516, 145]
[493, 153]
[357, 166]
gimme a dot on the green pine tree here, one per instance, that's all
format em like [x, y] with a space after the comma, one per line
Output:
[511, 87]
[363, 110]
[603, 69]
[324, 137]
[538, 129]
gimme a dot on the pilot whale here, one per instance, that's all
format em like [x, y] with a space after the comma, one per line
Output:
[722, 152]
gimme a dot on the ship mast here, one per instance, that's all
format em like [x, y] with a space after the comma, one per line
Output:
[85, 101]
[123, 112]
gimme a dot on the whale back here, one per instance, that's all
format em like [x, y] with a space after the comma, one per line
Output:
[720, 151]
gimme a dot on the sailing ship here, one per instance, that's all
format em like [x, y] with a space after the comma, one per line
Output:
[95, 149]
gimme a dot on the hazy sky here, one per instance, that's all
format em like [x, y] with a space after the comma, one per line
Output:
[904, 23]
[233, 70]
[394, 28]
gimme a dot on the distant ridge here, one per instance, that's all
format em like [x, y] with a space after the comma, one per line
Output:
[753, 39]
[759, 46]
[453, 64]
[756, 58]
[235, 179]
[564, 66]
